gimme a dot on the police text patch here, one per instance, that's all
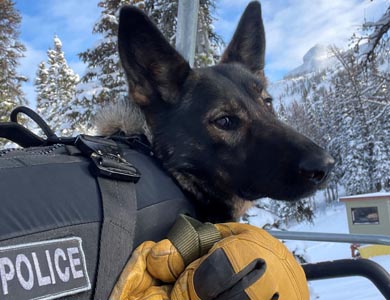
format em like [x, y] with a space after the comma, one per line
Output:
[43, 270]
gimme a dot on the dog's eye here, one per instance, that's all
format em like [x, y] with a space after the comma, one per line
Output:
[268, 101]
[227, 122]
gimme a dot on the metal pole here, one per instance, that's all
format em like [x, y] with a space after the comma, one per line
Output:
[332, 237]
[187, 25]
[350, 267]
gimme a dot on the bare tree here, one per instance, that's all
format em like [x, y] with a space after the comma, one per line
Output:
[377, 38]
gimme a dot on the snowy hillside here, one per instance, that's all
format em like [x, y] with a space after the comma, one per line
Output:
[286, 91]
[332, 220]
[316, 59]
[291, 87]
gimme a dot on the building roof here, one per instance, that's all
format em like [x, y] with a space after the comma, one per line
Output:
[379, 195]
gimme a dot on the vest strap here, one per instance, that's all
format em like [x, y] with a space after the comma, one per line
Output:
[117, 233]
[116, 179]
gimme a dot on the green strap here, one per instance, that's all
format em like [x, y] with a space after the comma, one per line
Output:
[192, 238]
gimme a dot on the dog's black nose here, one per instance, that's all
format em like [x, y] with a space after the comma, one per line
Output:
[316, 169]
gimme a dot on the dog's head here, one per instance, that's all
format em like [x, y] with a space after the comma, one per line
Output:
[214, 129]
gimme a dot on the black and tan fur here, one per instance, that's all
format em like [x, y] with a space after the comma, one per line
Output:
[214, 129]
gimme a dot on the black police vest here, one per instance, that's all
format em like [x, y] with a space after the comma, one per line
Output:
[51, 216]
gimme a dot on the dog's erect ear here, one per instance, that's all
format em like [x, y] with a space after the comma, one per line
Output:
[248, 43]
[151, 64]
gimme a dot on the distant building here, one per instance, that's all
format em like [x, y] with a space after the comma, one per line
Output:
[368, 213]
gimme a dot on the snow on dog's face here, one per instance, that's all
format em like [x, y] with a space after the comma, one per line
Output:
[214, 129]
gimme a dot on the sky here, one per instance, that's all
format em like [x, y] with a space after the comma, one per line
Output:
[292, 28]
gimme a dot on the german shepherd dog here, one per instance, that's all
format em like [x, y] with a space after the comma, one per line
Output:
[214, 129]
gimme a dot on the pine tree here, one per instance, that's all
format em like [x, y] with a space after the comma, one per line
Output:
[104, 80]
[361, 111]
[358, 133]
[381, 126]
[42, 89]
[11, 50]
[56, 87]
[371, 51]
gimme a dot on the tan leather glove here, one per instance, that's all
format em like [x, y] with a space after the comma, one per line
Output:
[153, 266]
[248, 263]
[149, 264]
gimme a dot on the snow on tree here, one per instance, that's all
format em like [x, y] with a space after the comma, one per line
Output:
[56, 87]
[41, 87]
[363, 92]
[11, 50]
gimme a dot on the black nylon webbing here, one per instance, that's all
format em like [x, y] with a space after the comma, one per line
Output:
[117, 233]
[20, 135]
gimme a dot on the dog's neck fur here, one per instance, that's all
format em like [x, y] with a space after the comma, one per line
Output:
[122, 116]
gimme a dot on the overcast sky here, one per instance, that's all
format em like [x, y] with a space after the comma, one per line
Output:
[292, 28]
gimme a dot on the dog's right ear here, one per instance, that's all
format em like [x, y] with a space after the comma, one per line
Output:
[152, 66]
[247, 46]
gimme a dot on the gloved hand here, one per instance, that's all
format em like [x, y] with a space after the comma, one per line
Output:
[150, 265]
[247, 263]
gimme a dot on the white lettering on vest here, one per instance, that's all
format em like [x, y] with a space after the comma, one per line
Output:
[74, 262]
[6, 276]
[43, 270]
[50, 265]
[28, 283]
[42, 280]
[64, 275]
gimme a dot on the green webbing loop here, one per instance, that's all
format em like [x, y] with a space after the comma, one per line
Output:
[192, 238]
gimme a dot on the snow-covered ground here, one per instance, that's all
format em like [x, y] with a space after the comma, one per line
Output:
[334, 220]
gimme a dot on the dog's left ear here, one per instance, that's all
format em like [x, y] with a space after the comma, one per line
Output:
[248, 43]
[154, 69]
